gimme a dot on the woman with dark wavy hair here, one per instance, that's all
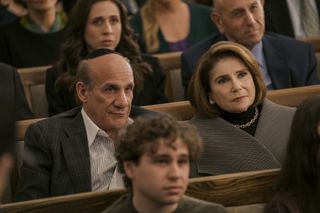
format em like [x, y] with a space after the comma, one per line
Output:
[95, 24]
[298, 189]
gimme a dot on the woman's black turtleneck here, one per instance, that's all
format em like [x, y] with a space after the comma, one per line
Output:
[242, 118]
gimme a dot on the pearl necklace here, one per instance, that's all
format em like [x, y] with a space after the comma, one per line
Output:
[242, 126]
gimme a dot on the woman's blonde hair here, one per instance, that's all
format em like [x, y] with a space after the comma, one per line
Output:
[199, 87]
[150, 25]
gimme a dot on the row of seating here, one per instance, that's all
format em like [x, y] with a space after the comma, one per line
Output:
[33, 80]
[230, 190]
[238, 191]
[182, 110]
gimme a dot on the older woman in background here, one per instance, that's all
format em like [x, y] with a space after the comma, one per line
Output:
[168, 26]
[98, 24]
[241, 129]
[298, 189]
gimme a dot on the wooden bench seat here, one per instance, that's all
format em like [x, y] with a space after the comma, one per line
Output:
[238, 189]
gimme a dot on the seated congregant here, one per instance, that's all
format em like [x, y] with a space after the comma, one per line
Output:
[154, 153]
[298, 188]
[241, 129]
[11, 91]
[95, 24]
[33, 39]
[74, 151]
[169, 26]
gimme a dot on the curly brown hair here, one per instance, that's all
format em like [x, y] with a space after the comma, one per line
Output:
[146, 132]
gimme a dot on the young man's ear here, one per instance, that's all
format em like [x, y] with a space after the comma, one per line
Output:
[129, 169]
[82, 91]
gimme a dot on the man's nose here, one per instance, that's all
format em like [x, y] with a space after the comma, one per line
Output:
[250, 17]
[121, 99]
[174, 171]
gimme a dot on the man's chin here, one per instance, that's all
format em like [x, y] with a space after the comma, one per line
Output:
[119, 123]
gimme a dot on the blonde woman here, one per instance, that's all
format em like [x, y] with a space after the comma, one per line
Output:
[168, 26]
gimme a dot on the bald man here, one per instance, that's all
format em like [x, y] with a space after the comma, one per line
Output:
[73, 152]
[284, 62]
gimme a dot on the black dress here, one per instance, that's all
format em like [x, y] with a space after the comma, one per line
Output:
[23, 48]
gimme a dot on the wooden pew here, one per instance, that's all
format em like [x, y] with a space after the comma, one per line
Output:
[21, 127]
[314, 41]
[169, 60]
[293, 96]
[33, 80]
[235, 189]
[182, 110]
[170, 63]
[230, 190]
[79, 203]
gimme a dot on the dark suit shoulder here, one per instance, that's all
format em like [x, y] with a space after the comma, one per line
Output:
[7, 72]
[189, 204]
[58, 121]
[284, 41]
[6, 67]
[123, 204]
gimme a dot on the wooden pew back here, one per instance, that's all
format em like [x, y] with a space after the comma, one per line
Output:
[170, 63]
[21, 127]
[181, 110]
[314, 41]
[33, 80]
[293, 96]
[80, 203]
[230, 190]
[235, 189]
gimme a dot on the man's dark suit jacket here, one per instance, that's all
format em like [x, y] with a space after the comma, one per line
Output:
[11, 92]
[290, 63]
[278, 19]
[56, 158]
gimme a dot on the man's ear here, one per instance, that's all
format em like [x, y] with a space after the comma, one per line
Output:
[128, 167]
[82, 91]
[215, 17]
